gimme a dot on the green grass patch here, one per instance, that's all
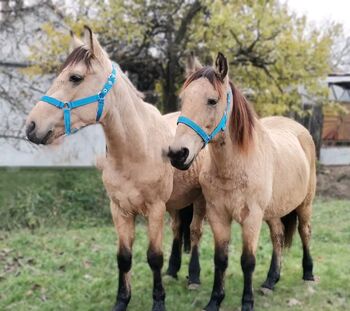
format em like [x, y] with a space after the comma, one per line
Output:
[58, 245]
[35, 198]
[66, 268]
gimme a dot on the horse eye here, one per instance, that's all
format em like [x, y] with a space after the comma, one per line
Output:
[212, 102]
[76, 78]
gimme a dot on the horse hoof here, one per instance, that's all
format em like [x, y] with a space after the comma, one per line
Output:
[247, 307]
[120, 306]
[158, 306]
[193, 286]
[266, 291]
[309, 278]
[211, 306]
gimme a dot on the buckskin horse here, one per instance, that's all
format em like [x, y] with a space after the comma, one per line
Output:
[255, 170]
[136, 173]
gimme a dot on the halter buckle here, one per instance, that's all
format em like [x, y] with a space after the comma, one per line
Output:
[66, 105]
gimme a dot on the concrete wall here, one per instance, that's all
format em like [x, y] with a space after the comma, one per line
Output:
[80, 149]
[335, 156]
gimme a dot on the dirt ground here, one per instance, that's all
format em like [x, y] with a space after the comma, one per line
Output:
[333, 181]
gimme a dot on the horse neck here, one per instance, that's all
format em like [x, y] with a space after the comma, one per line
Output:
[124, 126]
[227, 154]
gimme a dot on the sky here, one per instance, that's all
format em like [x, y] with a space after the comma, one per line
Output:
[323, 10]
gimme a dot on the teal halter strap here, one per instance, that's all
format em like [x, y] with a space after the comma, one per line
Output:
[220, 127]
[68, 106]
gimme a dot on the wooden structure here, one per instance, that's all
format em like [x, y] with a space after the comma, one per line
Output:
[336, 125]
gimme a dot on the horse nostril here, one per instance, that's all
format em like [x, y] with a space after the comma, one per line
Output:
[30, 128]
[178, 155]
[184, 153]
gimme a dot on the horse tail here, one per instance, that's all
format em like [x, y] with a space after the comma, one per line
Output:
[290, 223]
[186, 215]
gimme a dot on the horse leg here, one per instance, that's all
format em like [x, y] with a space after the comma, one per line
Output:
[155, 254]
[304, 216]
[125, 227]
[194, 268]
[175, 256]
[186, 216]
[277, 238]
[250, 236]
[221, 228]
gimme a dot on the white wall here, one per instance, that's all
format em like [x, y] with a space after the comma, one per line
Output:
[335, 156]
[80, 149]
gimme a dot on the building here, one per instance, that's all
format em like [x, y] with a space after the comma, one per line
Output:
[336, 122]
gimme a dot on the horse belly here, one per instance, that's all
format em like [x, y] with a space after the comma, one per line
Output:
[291, 181]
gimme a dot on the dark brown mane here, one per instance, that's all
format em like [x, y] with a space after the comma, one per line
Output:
[209, 73]
[80, 54]
[242, 119]
[242, 115]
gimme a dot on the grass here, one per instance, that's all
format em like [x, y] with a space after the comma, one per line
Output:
[57, 265]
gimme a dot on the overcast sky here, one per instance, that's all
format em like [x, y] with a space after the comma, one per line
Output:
[323, 10]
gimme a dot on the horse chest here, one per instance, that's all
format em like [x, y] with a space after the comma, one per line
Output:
[227, 194]
[132, 193]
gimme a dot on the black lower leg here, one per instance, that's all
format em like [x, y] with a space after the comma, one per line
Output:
[218, 292]
[155, 261]
[307, 265]
[273, 275]
[194, 268]
[248, 266]
[175, 258]
[186, 216]
[124, 292]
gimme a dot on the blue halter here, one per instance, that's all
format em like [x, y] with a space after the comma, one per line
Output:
[68, 106]
[220, 127]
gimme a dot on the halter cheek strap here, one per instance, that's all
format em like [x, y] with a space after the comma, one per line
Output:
[220, 127]
[68, 106]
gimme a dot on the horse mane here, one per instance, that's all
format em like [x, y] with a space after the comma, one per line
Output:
[129, 83]
[242, 114]
[242, 119]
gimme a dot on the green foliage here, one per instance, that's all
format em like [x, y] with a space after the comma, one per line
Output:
[272, 52]
[75, 269]
[50, 197]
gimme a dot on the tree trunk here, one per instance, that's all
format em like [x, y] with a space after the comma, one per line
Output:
[169, 103]
[316, 127]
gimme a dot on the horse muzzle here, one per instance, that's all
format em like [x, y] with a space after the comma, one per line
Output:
[178, 158]
[31, 132]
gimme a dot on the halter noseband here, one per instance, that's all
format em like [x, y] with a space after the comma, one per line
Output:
[220, 127]
[68, 106]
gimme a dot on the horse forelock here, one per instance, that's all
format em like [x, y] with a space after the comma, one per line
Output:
[210, 74]
[80, 54]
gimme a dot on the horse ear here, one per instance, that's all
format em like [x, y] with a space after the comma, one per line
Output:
[75, 42]
[91, 41]
[192, 64]
[221, 66]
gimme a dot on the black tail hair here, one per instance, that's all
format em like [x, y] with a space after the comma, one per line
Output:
[290, 223]
[186, 215]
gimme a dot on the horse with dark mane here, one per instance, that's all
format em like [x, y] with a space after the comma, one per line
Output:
[136, 174]
[255, 170]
